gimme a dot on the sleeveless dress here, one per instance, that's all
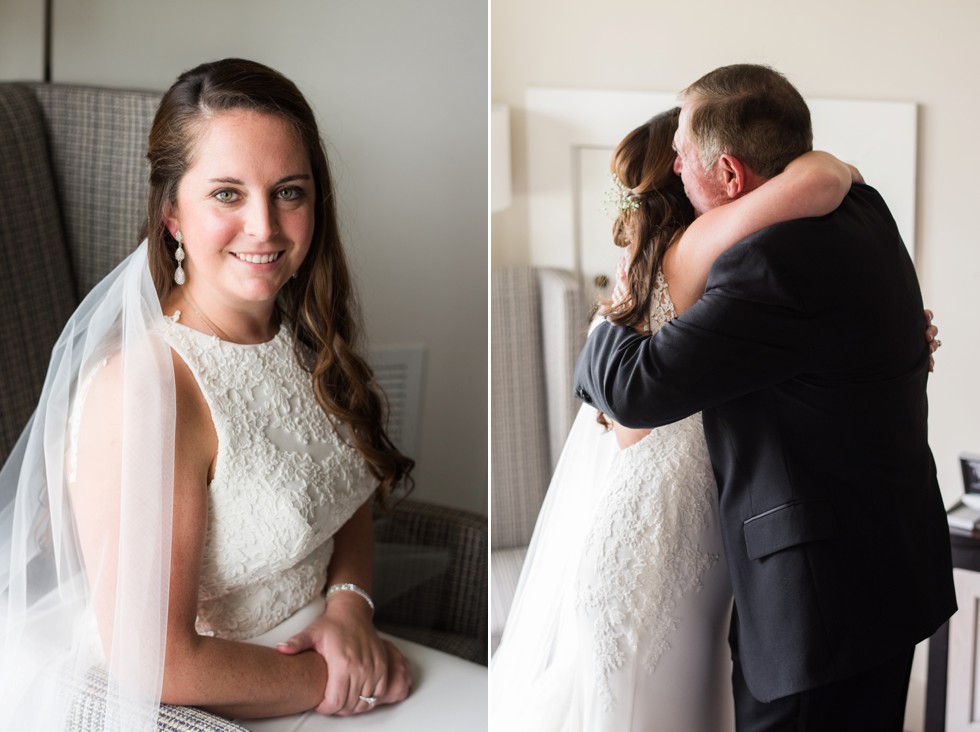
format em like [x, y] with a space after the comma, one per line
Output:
[633, 634]
[285, 481]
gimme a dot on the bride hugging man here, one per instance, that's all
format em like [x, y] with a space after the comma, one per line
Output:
[764, 364]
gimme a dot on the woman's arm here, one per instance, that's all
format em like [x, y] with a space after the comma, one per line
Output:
[227, 677]
[812, 185]
[360, 663]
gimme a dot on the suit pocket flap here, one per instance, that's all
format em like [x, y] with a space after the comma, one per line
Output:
[788, 525]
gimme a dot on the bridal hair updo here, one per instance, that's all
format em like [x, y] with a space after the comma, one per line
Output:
[318, 305]
[653, 211]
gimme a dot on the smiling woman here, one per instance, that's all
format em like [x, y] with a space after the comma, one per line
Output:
[204, 467]
[245, 212]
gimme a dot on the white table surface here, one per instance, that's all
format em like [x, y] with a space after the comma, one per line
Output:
[448, 694]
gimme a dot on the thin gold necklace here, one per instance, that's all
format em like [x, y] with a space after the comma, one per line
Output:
[215, 330]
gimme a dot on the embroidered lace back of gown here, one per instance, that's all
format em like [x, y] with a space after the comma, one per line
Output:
[652, 589]
[284, 482]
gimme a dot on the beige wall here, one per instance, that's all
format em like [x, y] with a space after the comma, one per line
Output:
[902, 50]
[21, 34]
[400, 92]
[906, 51]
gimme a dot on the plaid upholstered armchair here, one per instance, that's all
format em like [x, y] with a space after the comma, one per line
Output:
[538, 326]
[73, 182]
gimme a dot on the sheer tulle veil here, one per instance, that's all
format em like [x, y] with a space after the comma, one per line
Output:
[49, 640]
[532, 672]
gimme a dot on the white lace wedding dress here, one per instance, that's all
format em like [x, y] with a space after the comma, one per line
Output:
[284, 483]
[621, 616]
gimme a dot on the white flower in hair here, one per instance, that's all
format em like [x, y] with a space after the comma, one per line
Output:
[620, 198]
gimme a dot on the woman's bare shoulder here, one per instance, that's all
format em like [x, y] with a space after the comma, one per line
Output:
[102, 416]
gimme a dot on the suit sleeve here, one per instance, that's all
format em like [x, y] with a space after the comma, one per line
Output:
[750, 330]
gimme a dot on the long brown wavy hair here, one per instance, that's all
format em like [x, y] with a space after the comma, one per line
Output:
[654, 215]
[318, 305]
[644, 165]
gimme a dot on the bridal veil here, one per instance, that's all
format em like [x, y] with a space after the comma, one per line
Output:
[532, 676]
[50, 646]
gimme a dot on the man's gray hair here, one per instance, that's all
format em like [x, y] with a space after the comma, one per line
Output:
[751, 112]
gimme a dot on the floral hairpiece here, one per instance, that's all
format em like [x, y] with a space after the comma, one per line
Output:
[620, 198]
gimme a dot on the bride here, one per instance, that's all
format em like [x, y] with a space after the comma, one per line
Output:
[620, 617]
[208, 446]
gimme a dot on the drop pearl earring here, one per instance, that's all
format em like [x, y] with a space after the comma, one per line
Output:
[179, 276]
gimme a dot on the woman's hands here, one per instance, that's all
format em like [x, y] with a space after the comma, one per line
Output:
[856, 176]
[360, 664]
[399, 681]
[362, 669]
[931, 332]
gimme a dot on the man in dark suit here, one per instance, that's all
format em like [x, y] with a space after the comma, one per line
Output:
[806, 356]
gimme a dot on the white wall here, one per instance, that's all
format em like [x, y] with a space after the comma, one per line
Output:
[400, 92]
[903, 50]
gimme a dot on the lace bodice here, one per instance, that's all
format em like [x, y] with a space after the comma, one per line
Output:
[643, 552]
[284, 482]
[661, 306]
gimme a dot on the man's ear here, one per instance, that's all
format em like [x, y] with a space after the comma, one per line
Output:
[733, 175]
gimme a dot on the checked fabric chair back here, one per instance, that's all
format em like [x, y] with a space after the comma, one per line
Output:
[538, 327]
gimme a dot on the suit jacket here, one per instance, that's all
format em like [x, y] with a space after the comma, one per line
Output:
[807, 357]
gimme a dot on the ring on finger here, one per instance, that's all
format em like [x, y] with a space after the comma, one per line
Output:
[369, 700]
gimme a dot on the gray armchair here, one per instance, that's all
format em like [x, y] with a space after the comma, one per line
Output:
[538, 326]
[431, 577]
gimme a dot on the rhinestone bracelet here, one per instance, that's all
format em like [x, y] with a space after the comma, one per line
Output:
[351, 587]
